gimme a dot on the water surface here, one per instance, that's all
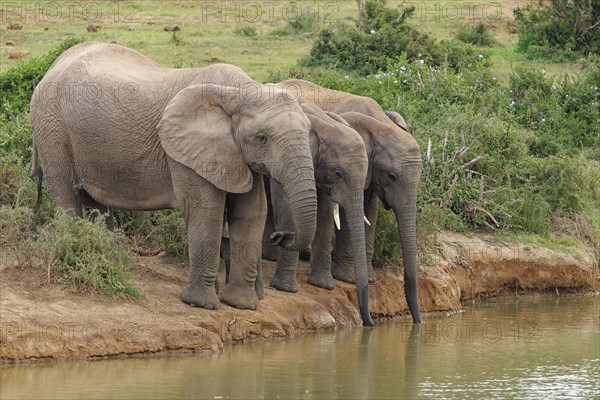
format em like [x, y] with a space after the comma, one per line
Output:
[511, 348]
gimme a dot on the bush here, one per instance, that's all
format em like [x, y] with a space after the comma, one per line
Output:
[17, 84]
[385, 37]
[562, 111]
[477, 35]
[85, 256]
[563, 25]
[155, 231]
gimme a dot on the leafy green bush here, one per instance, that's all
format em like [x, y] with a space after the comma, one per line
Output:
[477, 35]
[16, 187]
[85, 256]
[16, 137]
[384, 37]
[155, 231]
[557, 27]
[16, 84]
[562, 111]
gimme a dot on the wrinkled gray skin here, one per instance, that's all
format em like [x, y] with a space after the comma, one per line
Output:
[394, 172]
[340, 164]
[114, 129]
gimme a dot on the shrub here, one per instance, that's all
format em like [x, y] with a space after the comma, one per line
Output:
[16, 84]
[85, 256]
[569, 25]
[155, 231]
[385, 37]
[477, 35]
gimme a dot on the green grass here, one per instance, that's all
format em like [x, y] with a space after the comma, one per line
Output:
[561, 243]
[206, 37]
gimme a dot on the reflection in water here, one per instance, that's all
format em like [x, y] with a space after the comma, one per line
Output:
[513, 348]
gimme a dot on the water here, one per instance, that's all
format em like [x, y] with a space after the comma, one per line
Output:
[519, 349]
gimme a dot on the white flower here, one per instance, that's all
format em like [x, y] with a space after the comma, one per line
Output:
[553, 87]
[512, 104]
[404, 81]
[481, 56]
[373, 31]
[421, 62]
[395, 81]
[419, 55]
[542, 71]
[346, 77]
[493, 78]
[403, 68]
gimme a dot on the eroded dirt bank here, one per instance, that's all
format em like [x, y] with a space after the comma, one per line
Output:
[45, 322]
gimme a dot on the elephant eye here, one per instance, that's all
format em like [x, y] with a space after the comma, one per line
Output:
[338, 173]
[392, 177]
[262, 139]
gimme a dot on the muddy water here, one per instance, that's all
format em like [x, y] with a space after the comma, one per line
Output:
[540, 348]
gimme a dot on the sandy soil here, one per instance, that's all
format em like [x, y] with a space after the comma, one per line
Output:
[41, 322]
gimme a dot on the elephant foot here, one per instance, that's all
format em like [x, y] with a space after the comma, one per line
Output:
[244, 298]
[284, 282]
[343, 273]
[321, 278]
[200, 296]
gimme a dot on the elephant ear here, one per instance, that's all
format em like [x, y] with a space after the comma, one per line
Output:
[196, 130]
[366, 127]
[398, 120]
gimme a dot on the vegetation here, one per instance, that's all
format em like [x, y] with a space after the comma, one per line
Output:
[510, 149]
[561, 29]
[521, 157]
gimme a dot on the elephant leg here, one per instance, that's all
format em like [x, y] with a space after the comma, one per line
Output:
[202, 205]
[61, 184]
[287, 261]
[343, 262]
[246, 218]
[320, 260]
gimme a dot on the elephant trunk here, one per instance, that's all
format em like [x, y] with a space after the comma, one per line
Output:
[354, 213]
[298, 181]
[406, 217]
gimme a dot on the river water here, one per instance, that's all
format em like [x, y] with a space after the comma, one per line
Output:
[510, 348]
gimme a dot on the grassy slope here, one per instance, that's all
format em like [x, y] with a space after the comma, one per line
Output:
[207, 35]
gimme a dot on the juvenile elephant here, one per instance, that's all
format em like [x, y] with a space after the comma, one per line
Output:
[394, 172]
[114, 129]
[340, 164]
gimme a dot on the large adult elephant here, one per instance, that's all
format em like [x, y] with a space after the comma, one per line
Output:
[395, 169]
[340, 164]
[114, 129]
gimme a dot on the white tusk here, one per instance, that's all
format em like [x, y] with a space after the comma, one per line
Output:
[336, 215]
[366, 220]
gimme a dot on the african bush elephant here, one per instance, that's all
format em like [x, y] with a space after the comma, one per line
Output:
[114, 129]
[394, 172]
[340, 164]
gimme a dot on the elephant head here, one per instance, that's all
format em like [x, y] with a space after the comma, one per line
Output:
[341, 166]
[395, 171]
[223, 135]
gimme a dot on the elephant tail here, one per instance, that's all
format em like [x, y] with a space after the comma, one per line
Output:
[36, 171]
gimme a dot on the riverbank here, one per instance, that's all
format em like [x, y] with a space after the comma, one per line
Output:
[41, 322]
